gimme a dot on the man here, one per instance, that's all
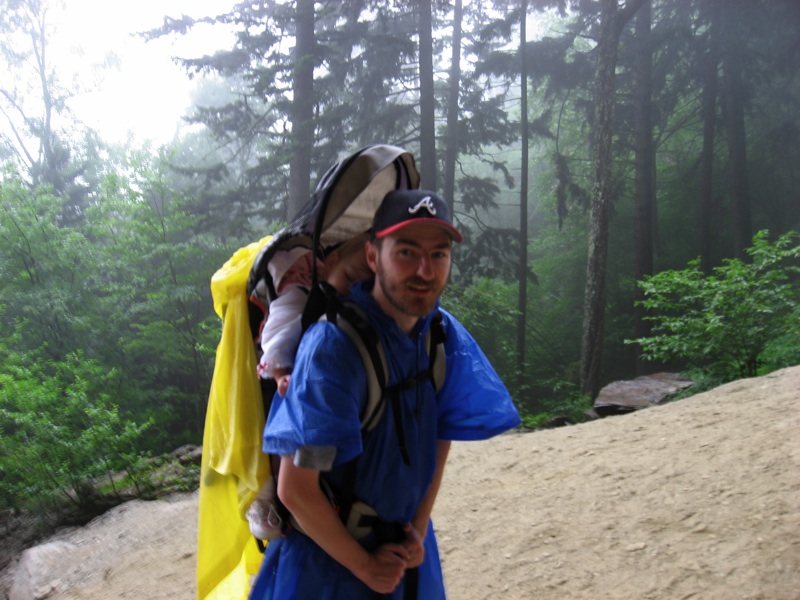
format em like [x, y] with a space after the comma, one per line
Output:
[396, 468]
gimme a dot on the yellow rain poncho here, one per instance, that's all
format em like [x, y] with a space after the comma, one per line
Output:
[233, 466]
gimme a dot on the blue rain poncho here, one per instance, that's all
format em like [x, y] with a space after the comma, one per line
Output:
[322, 407]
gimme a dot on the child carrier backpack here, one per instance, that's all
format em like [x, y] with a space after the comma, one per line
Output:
[342, 207]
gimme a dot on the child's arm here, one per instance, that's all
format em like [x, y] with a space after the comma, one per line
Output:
[281, 333]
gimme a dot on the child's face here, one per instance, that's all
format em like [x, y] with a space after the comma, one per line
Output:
[344, 270]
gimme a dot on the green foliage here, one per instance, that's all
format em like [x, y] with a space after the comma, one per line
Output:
[48, 269]
[158, 294]
[573, 407]
[730, 322]
[151, 478]
[488, 311]
[126, 287]
[59, 428]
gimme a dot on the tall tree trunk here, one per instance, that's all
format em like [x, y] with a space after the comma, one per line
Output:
[522, 304]
[427, 105]
[709, 108]
[612, 21]
[39, 43]
[644, 193]
[734, 122]
[302, 109]
[451, 144]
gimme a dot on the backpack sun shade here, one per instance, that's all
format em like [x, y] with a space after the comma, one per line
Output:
[233, 465]
[342, 207]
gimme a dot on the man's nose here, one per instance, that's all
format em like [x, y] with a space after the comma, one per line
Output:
[425, 268]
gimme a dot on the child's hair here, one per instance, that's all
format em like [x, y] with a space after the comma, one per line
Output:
[348, 246]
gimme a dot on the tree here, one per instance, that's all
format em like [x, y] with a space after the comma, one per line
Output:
[451, 134]
[522, 305]
[612, 20]
[427, 102]
[33, 104]
[303, 108]
[710, 62]
[49, 272]
[734, 100]
[644, 193]
[314, 81]
[155, 287]
[488, 96]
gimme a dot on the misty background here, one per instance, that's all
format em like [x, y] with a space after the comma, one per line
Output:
[587, 147]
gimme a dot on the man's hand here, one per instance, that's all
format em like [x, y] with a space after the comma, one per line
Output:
[385, 568]
[414, 546]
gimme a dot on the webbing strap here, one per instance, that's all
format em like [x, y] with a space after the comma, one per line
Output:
[411, 584]
[393, 395]
[397, 417]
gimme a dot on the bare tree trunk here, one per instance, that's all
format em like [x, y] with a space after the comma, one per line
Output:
[734, 121]
[302, 110]
[709, 109]
[451, 153]
[612, 21]
[427, 106]
[644, 193]
[522, 304]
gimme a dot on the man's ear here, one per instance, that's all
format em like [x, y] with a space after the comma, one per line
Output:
[372, 256]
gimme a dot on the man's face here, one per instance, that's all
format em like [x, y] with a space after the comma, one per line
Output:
[411, 267]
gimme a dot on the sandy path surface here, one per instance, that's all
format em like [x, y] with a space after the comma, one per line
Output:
[695, 499]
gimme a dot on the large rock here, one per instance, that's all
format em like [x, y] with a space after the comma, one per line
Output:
[125, 542]
[40, 568]
[621, 397]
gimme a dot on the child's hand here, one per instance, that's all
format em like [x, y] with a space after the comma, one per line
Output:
[283, 384]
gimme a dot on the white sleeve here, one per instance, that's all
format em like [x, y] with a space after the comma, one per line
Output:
[282, 330]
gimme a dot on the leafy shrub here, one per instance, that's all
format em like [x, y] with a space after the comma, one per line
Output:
[730, 323]
[59, 429]
[573, 406]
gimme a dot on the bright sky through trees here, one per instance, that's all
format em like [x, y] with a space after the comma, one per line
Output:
[128, 85]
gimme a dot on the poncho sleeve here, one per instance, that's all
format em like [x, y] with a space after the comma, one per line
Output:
[321, 406]
[473, 403]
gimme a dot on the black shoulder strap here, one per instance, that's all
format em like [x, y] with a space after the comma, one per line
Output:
[437, 364]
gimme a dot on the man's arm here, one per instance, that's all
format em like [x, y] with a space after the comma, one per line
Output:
[299, 490]
[416, 537]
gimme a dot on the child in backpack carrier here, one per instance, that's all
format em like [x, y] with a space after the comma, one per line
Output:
[290, 270]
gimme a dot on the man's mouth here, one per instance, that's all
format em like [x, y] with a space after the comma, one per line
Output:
[419, 287]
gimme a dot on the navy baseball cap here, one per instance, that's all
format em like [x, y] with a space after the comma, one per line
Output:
[405, 207]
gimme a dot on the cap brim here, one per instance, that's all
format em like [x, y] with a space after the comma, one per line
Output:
[454, 234]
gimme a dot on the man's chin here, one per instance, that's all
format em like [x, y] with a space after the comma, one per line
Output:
[420, 308]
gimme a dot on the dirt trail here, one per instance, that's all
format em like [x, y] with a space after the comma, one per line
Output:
[696, 499]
